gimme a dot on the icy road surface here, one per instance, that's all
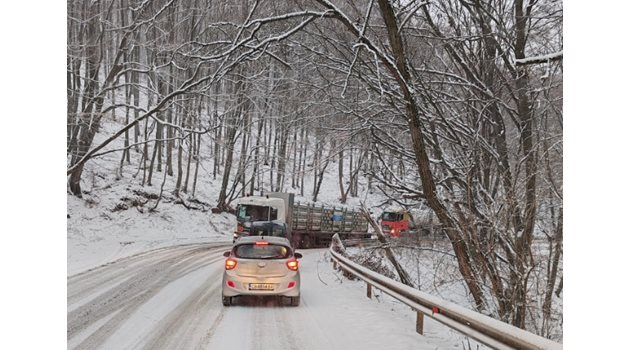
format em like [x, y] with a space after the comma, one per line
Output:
[170, 298]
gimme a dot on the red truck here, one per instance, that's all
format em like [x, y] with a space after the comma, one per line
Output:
[395, 221]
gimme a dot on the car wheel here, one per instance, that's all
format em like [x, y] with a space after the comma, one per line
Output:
[227, 301]
[294, 301]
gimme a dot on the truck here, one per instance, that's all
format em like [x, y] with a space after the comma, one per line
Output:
[396, 221]
[307, 225]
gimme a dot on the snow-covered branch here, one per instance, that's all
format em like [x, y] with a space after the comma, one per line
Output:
[555, 56]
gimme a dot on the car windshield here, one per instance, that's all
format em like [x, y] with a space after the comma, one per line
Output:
[267, 251]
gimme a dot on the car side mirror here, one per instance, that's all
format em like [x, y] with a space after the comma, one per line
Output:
[297, 255]
[226, 254]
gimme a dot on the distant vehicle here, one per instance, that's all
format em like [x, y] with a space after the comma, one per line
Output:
[307, 225]
[253, 209]
[395, 221]
[262, 266]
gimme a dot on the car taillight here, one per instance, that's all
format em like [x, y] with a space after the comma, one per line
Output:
[292, 265]
[239, 228]
[262, 243]
[230, 264]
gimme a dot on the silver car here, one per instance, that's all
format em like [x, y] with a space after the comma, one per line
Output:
[263, 266]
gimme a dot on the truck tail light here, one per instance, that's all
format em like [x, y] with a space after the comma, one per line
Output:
[292, 265]
[230, 264]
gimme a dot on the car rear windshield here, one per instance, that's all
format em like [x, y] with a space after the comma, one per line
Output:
[269, 251]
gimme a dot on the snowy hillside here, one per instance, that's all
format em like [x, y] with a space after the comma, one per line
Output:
[115, 217]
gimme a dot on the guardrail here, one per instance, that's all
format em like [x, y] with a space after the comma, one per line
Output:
[485, 329]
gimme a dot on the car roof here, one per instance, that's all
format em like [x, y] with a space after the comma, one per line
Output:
[270, 239]
[268, 223]
[259, 201]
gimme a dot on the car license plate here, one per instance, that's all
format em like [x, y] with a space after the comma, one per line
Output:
[261, 286]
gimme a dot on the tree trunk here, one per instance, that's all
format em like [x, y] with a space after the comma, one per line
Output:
[342, 193]
[282, 154]
[256, 155]
[422, 159]
[295, 159]
[320, 177]
[273, 160]
[189, 160]
[230, 126]
[180, 154]
[197, 161]
[170, 143]
[244, 145]
[303, 150]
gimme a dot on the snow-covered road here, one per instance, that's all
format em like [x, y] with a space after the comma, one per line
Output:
[169, 298]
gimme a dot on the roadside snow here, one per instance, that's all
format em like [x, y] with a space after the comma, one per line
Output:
[96, 235]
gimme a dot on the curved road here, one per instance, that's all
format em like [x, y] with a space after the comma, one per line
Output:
[169, 298]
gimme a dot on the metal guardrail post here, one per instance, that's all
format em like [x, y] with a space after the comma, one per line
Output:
[369, 290]
[419, 322]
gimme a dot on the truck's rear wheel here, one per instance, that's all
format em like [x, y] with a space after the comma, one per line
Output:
[296, 241]
[307, 242]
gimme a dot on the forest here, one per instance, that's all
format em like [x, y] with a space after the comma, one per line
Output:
[454, 105]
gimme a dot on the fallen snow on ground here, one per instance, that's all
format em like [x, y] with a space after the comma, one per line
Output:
[97, 235]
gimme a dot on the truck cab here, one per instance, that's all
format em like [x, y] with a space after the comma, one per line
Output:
[257, 209]
[395, 221]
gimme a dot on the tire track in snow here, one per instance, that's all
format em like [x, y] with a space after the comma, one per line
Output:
[93, 280]
[151, 275]
[185, 327]
[285, 327]
[126, 309]
[124, 293]
[205, 340]
[267, 320]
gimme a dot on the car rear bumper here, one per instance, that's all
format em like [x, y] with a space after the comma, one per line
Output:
[242, 284]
